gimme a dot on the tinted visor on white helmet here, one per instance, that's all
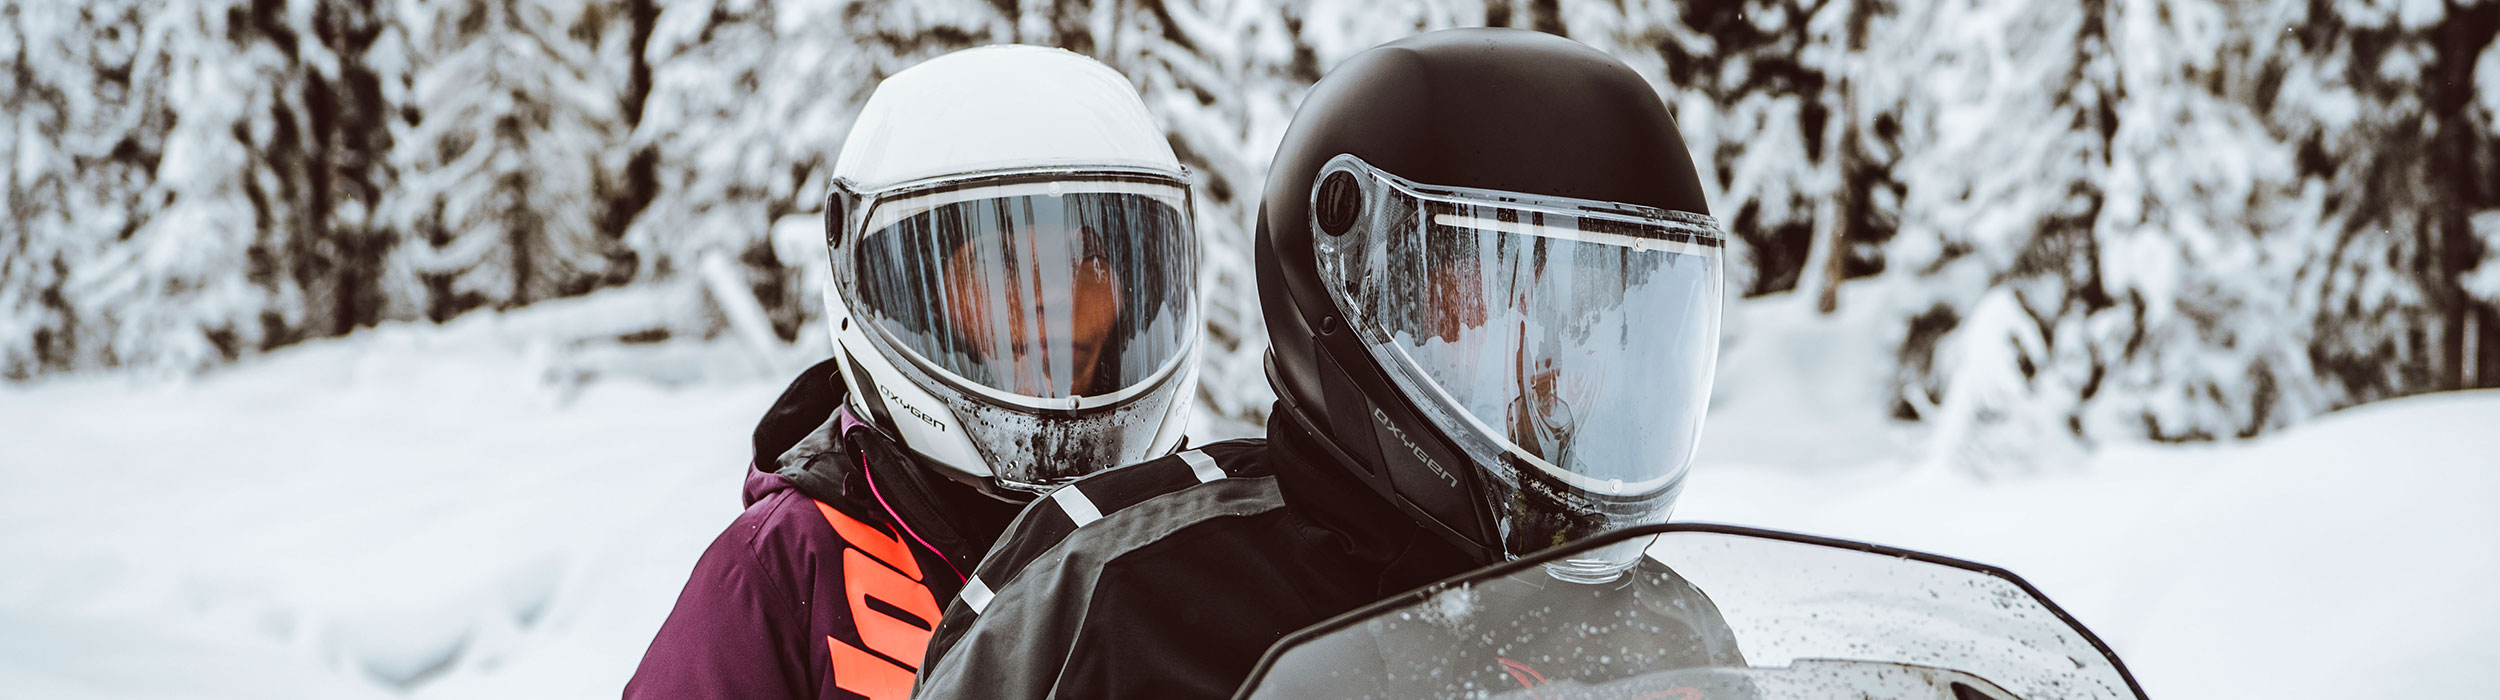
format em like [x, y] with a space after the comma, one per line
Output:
[1565, 345]
[1043, 307]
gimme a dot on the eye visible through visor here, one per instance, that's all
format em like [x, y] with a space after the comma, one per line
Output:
[1564, 342]
[1050, 293]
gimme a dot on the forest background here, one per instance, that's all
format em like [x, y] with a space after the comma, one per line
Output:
[2077, 222]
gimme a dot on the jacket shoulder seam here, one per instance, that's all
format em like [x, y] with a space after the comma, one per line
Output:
[780, 589]
[1087, 550]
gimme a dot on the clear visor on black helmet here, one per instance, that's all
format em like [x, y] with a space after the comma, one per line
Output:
[1566, 345]
[1040, 293]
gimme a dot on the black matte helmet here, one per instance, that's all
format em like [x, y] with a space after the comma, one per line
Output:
[1493, 288]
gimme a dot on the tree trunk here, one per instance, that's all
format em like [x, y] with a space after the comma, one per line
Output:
[2456, 44]
[1835, 243]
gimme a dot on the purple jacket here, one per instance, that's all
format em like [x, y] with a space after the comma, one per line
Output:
[830, 582]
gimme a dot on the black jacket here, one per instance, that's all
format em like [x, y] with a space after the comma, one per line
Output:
[1170, 578]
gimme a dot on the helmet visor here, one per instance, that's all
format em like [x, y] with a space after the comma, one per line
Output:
[1038, 293]
[1566, 345]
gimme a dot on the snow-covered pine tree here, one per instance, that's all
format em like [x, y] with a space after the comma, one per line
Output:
[329, 155]
[1225, 78]
[233, 224]
[2237, 232]
[1792, 114]
[2483, 282]
[2009, 121]
[2379, 99]
[2198, 243]
[749, 104]
[509, 152]
[197, 181]
[202, 280]
[81, 143]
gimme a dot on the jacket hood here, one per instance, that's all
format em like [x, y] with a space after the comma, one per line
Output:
[805, 406]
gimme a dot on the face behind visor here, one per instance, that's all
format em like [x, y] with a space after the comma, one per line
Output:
[1048, 310]
[1049, 294]
[1565, 345]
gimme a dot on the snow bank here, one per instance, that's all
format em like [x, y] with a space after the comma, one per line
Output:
[398, 510]
[450, 513]
[2349, 557]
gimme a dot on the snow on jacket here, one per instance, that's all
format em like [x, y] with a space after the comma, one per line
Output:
[1169, 579]
[828, 585]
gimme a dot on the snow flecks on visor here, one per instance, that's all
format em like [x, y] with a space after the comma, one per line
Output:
[1032, 292]
[1567, 346]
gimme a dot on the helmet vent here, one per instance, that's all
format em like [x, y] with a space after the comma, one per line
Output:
[1339, 202]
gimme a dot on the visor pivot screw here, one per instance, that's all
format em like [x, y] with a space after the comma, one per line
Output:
[1338, 203]
[1328, 325]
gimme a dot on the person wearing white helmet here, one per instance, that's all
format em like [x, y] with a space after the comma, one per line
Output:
[1012, 307]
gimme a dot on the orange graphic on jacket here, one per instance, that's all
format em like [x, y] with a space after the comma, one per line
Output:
[877, 565]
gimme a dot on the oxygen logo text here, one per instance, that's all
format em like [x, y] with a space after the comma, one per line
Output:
[897, 400]
[1411, 447]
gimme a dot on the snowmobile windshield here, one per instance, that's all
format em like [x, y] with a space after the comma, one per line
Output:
[1036, 291]
[1566, 345]
[1806, 680]
[1713, 612]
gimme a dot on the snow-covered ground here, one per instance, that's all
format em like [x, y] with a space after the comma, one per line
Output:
[2351, 557]
[2348, 557]
[393, 513]
[413, 512]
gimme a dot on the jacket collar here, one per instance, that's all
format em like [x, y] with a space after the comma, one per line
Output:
[809, 440]
[1321, 488]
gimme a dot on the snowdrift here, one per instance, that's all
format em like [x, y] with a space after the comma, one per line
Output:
[442, 513]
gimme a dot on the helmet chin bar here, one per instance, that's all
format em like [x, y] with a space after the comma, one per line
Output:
[1026, 451]
[907, 413]
[1384, 445]
[934, 436]
[1351, 436]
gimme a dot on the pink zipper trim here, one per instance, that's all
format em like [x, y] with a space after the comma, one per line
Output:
[847, 421]
[898, 522]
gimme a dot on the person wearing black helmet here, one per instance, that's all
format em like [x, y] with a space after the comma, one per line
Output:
[1492, 290]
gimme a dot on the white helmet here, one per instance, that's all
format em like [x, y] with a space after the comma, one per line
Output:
[1014, 271]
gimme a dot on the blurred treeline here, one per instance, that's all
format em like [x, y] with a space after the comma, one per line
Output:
[2166, 219]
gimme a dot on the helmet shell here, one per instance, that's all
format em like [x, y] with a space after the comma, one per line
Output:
[970, 115]
[1498, 109]
[1000, 108]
